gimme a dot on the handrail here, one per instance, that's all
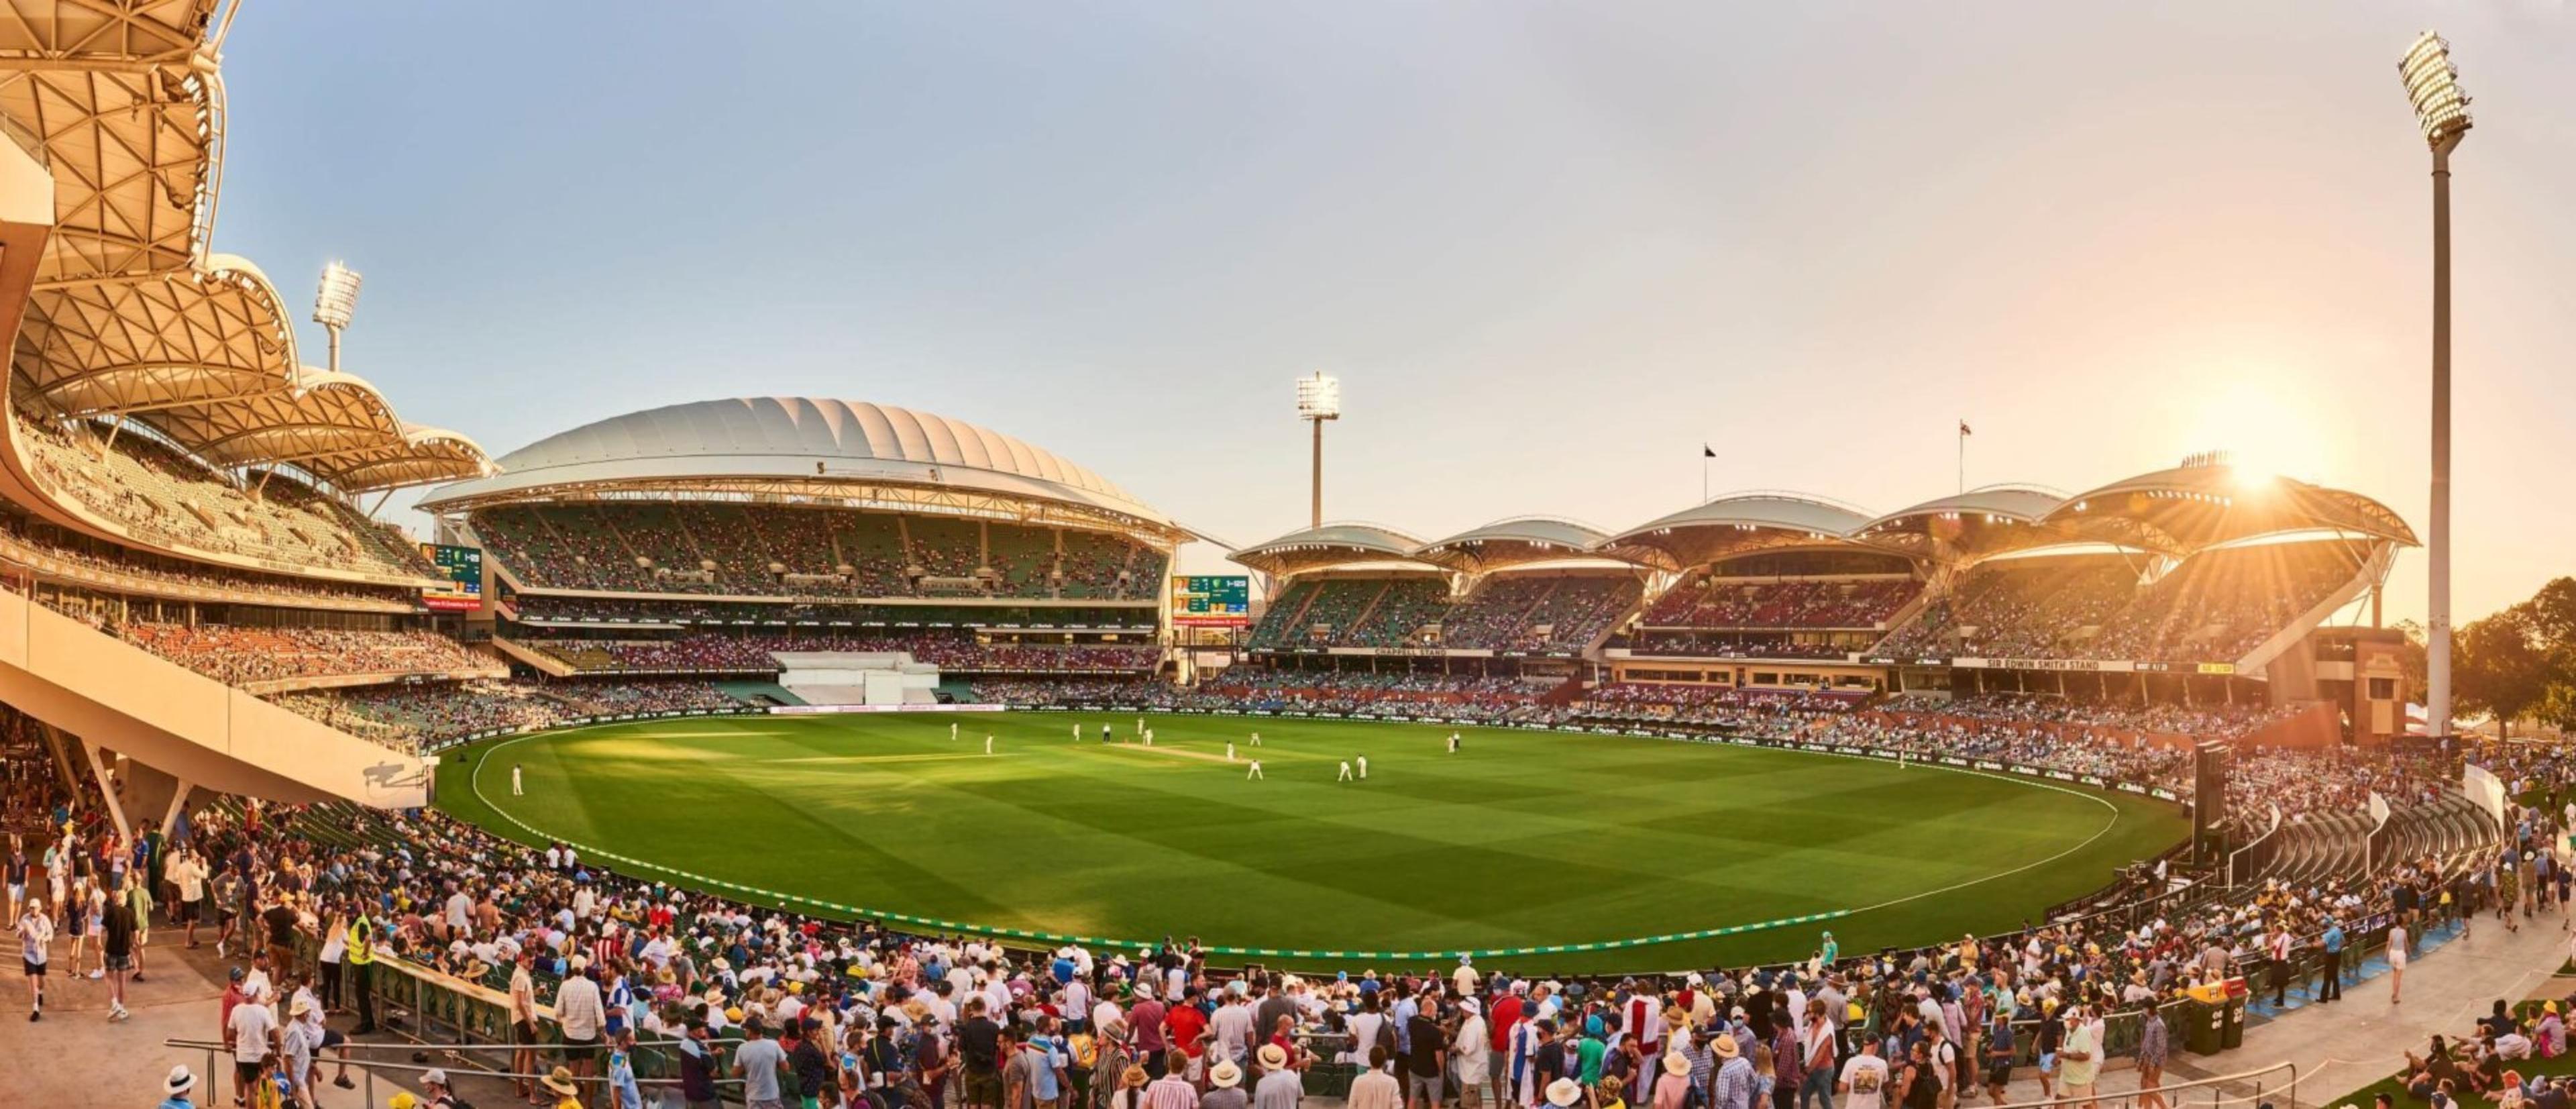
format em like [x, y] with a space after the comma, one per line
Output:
[2282, 1095]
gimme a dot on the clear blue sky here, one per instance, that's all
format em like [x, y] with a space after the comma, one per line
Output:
[1549, 248]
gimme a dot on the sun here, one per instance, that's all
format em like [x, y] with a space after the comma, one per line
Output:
[2265, 435]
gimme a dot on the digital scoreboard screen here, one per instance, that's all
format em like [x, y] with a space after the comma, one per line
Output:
[1211, 601]
[462, 567]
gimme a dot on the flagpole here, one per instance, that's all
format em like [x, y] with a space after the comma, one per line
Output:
[1963, 454]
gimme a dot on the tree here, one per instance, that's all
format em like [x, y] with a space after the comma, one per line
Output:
[2520, 663]
[2498, 667]
[2410, 660]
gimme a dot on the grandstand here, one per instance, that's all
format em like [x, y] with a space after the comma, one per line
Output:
[704, 538]
[182, 528]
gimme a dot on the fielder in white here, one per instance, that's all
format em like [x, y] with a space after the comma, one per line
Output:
[1255, 772]
[1229, 750]
[1346, 771]
[952, 731]
[1149, 737]
[1077, 733]
[1256, 739]
[1363, 767]
[988, 745]
[516, 788]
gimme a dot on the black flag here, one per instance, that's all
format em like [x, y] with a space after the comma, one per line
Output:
[1706, 451]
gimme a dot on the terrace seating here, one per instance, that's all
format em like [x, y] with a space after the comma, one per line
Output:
[160, 496]
[1785, 603]
[48, 550]
[243, 655]
[414, 715]
[731, 652]
[729, 549]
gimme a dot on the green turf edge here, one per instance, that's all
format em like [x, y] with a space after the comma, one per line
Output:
[2144, 827]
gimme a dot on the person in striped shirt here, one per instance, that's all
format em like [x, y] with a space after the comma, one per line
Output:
[1172, 1091]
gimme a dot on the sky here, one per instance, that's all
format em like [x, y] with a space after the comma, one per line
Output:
[1549, 249]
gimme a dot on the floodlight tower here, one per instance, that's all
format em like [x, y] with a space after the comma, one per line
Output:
[1319, 398]
[2442, 110]
[335, 303]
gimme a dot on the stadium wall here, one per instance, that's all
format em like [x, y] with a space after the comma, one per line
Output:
[120, 697]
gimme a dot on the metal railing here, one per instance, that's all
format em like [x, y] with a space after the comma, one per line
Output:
[404, 1074]
[2277, 1085]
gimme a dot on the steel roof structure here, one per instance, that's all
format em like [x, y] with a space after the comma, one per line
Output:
[809, 449]
[2205, 504]
[130, 315]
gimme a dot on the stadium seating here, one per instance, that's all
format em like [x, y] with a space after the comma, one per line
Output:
[417, 715]
[160, 496]
[1783, 603]
[242, 655]
[1538, 614]
[778, 550]
[749, 652]
[2214, 607]
[52, 551]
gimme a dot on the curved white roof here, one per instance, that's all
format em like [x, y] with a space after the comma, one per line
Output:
[1336, 543]
[785, 437]
[2018, 503]
[1515, 541]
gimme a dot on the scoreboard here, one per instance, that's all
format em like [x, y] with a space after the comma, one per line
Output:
[1211, 601]
[462, 567]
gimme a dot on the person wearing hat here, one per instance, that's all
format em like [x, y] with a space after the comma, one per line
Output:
[1735, 1083]
[1673, 1087]
[1281, 1087]
[1864, 1079]
[568, 1093]
[436, 1091]
[1564, 1093]
[176, 1088]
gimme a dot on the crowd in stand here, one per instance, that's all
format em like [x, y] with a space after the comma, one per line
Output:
[412, 716]
[1723, 603]
[2215, 606]
[551, 608]
[160, 495]
[240, 654]
[1511, 614]
[717, 548]
[804, 1009]
[1738, 644]
[746, 651]
[53, 551]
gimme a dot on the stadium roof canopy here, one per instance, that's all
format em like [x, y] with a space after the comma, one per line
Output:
[2203, 504]
[801, 449]
[1737, 524]
[1344, 543]
[1980, 522]
[1518, 541]
[130, 316]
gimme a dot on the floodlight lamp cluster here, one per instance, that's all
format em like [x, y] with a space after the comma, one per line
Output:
[337, 301]
[2433, 86]
[1319, 397]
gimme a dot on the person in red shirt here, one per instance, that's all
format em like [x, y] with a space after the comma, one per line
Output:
[1183, 1025]
[1507, 1012]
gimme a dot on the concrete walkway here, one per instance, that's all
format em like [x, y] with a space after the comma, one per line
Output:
[2339, 1046]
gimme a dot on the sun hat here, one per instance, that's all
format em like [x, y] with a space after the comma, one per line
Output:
[1725, 1046]
[561, 1082]
[1273, 1057]
[303, 1004]
[1133, 1076]
[1564, 1092]
[180, 1081]
[1225, 1075]
[1676, 1063]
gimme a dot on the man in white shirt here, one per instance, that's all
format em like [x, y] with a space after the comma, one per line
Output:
[579, 1010]
[251, 1034]
[1864, 1080]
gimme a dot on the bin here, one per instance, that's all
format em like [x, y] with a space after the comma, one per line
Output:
[2232, 1035]
[2204, 1026]
[1331, 1080]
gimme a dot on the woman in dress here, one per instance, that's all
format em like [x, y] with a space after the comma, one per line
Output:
[2396, 958]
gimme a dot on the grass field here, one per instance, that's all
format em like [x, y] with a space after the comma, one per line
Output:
[1521, 839]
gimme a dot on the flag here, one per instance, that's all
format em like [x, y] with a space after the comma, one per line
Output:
[1706, 451]
[1964, 431]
